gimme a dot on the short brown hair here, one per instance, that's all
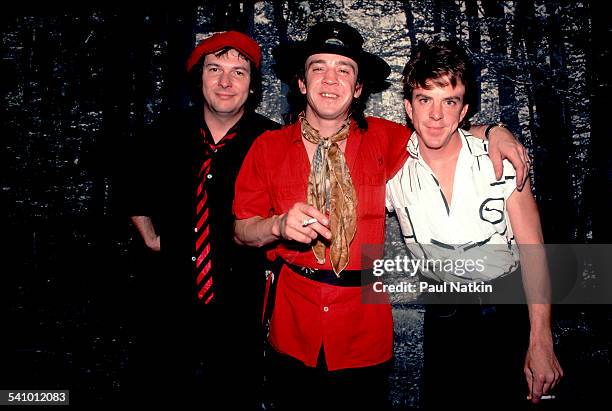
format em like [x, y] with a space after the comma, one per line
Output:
[437, 59]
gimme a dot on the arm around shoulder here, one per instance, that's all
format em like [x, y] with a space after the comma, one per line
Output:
[503, 145]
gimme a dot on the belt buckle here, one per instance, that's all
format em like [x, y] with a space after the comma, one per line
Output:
[309, 272]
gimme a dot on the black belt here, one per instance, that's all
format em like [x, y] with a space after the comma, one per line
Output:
[348, 278]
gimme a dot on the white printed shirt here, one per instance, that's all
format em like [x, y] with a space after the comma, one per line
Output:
[474, 226]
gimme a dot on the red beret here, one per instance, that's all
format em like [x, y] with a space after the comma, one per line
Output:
[233, 39]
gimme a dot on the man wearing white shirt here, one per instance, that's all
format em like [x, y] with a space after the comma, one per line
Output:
[450, 206]
[458, 222]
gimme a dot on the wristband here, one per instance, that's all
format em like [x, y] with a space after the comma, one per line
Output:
[491, 126]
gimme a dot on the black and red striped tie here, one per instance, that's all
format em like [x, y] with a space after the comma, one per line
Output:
[203, 261]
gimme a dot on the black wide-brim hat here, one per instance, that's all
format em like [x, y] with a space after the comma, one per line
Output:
[334, 38]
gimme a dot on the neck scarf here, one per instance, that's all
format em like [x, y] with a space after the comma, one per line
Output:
[331, 191]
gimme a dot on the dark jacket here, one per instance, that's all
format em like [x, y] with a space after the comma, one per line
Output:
[164, 178]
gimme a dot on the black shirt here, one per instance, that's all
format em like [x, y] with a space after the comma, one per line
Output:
[165, 174]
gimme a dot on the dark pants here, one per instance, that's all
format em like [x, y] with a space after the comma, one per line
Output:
[474, 356]
[208, 360]
[190, 355]
[295, 386]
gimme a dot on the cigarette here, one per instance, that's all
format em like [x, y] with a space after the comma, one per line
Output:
[544, 397]
[306, 223]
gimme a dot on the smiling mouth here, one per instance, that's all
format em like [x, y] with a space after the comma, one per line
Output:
[329, 95]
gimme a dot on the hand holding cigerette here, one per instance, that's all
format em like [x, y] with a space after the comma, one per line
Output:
[304, 223]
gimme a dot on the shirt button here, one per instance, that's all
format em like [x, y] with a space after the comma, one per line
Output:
[195, 230]
[209, 176]
[326, 309]
[193, 258]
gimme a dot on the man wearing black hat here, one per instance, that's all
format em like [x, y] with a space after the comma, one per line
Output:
[315, 192]
[204, 311]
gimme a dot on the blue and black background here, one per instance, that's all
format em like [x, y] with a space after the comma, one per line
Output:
[80, 82]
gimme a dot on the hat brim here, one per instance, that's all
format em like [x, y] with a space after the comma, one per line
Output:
[290, 58]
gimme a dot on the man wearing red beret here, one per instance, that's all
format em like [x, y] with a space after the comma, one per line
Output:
[209, 288]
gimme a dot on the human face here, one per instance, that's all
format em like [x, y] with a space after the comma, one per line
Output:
[437, 112]
[330, 85]
[225, 83]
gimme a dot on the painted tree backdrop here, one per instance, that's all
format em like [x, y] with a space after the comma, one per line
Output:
[80, 82]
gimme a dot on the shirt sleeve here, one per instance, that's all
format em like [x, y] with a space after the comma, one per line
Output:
[388, 197]
[252, 196]
[397, 136]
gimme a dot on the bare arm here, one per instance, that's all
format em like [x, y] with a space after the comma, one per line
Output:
[259, 231]
[542, 369]
[147, 231]
[503, 145]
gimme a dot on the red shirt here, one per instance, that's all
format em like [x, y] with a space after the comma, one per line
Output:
[273, 177]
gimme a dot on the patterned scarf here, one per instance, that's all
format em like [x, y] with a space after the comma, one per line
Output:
[331, 191]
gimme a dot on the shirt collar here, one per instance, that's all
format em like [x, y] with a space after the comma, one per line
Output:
[297, 130]
[242, 121]
[296, 134]
[474, 145]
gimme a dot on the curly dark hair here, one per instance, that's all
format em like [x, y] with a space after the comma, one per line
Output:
[195, 81]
